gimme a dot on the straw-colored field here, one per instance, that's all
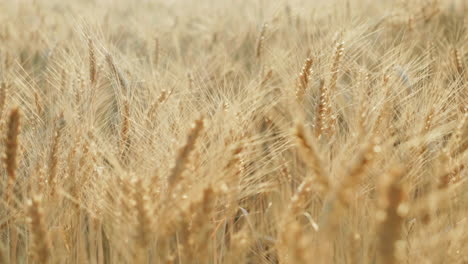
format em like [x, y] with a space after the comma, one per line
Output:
[243, 131]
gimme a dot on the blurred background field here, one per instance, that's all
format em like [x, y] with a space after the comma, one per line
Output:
[233, 131]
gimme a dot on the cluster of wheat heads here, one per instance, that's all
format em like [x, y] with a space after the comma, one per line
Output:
[233, 131]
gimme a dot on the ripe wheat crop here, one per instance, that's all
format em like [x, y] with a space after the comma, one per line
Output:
[241, 131]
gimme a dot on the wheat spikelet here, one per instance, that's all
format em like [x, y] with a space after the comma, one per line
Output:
[81, 84]
[297, 248]
[393, 210]
[310, 155]
[427, 125]
[266, 78]
[234, 170]
[11, 149]
[358, 169]
[323, 119]
[191, 81]
[200, 225]
[116, 72]
[459, 144]
[261, 39]
[63, 80]
[125, 197]
[447, 174]
[429, 12]
[125, 131]
[303, 79]
[384, 112]
[410, 23]
[54, 153]
[239, 243]
[40, 237]
[184, 152]
[364, 104]
[144, 219]
[294, 244]
[72, 184]
[163, 96]
[3, 96]
[299, 199]
[457, 60]
[428, 121]
[92, 62]
[235, 158]
[336, 66]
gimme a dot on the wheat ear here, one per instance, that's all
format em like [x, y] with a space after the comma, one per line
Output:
[92, 62]
[393, 210]
[261, 39]
[303, 79]
[310, 155]
[40, 236]
[11, 150]
[184, 152]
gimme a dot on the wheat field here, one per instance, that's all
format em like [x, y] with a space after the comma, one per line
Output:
[248, 131]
